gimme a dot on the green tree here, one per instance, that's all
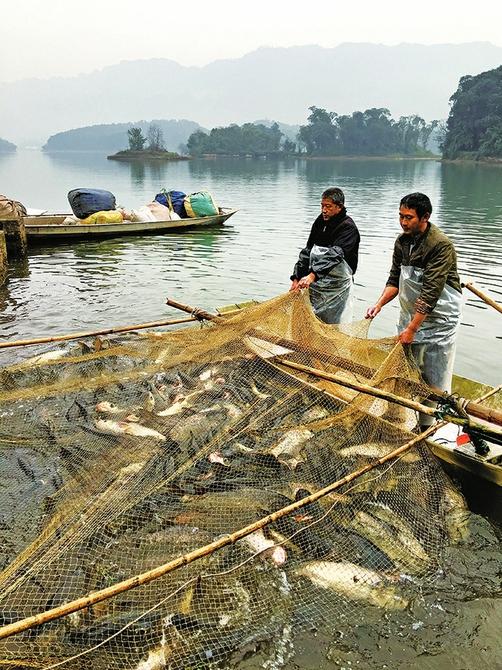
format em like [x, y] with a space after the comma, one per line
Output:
[410, 130]
[253, 139]
[288, 147]
[137, 140]
[491, 143]
[475, 117]
[368, 133]
[427, 132]
[197, 143]
[320, 135]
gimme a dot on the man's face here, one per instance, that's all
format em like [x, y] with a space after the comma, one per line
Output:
[410, 221]
[329, 208]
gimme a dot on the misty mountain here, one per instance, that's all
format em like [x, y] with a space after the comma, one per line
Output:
[6, 147]
[113, 137]
[278, 83]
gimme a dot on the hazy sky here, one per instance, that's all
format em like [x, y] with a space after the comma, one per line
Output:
[45, 38]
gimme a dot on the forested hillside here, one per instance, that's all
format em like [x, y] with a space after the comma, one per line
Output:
[113, 137]
[474, 126]
[6, 146]
[372, 132]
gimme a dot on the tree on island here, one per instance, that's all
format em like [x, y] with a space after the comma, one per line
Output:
[250, 139]
[289, 147]
[320, 135]
[136, 138]
[155, 138]
[474, 126]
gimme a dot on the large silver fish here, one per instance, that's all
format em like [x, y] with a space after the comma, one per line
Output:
[353, 582]
[127, 428]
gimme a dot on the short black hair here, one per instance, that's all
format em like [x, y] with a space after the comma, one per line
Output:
[335, 194]
[417, 201]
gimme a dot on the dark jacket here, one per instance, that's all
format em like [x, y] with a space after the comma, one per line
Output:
[435, 253]
[341, 234]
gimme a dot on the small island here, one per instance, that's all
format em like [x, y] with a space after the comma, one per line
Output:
[147, 155]
[154, 149]
[7, 147]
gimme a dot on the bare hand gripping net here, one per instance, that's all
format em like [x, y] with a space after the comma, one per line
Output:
[118, 461]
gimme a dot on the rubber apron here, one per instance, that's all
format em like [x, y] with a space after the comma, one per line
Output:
[331, 295]
[434, 344]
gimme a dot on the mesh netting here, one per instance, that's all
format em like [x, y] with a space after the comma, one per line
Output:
[117, 461]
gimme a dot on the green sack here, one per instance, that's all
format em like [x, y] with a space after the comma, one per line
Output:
[200, 204]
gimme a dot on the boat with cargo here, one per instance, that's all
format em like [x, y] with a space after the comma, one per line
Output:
[52, 227]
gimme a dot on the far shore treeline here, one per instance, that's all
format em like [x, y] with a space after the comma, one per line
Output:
[473, 131]
[369, 133]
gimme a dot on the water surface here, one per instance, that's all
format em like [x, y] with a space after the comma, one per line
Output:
[126, 280]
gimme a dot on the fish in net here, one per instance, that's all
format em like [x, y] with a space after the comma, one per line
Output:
[119, 461]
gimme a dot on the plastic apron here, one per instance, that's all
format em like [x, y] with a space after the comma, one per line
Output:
[434, 345]
[331, 295]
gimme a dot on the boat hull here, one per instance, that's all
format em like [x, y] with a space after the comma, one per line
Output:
[50, 227]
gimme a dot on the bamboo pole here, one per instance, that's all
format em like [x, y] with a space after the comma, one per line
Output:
[480, 411]
[386, 395]
[91, 333]
[190, 557]
[196, 312]
[483, 296]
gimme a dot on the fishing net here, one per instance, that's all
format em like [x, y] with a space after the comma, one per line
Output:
[119, 460]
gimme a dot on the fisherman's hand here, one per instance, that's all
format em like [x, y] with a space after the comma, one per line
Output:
[306, 281]
[371, 312]
[407, 336]
[294, 285]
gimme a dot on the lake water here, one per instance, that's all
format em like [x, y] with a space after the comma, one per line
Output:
[89, 285]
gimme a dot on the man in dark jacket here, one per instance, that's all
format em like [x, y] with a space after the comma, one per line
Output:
[329, 261]
[424, 275]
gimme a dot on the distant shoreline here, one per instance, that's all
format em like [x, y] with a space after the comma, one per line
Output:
[367, 158]
[128, 155]
[320, 158]
[470, 161]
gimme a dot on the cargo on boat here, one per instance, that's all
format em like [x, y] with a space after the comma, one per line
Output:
[51, 227]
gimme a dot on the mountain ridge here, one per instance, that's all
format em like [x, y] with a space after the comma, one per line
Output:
[269, 82]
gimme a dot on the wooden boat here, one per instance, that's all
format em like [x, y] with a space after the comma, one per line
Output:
[444, 443]
[50, 227]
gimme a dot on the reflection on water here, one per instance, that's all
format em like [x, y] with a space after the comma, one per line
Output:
[126, 280]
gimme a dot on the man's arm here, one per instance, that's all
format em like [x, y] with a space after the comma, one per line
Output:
[408, 334]
[389, 293]
[301, 268]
